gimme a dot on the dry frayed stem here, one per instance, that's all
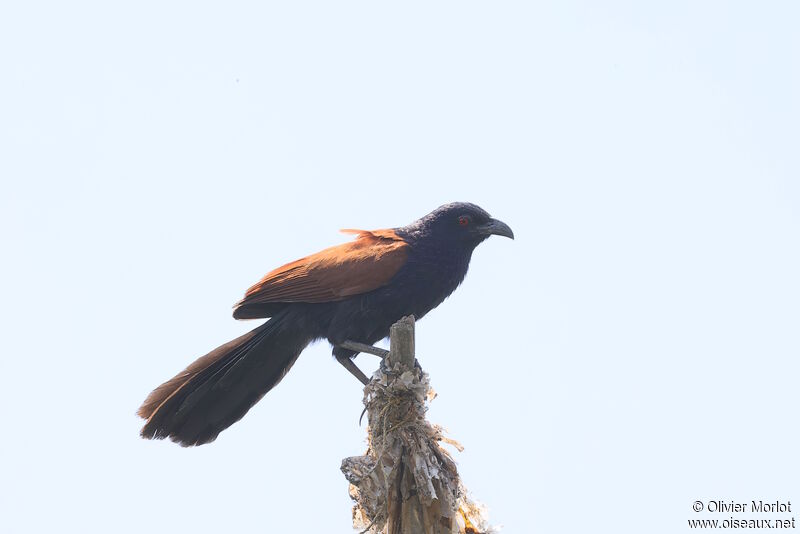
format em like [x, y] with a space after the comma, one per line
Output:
[407, 483]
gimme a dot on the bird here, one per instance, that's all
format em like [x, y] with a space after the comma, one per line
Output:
[349, 294]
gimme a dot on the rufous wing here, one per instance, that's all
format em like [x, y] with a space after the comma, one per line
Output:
[333, 274]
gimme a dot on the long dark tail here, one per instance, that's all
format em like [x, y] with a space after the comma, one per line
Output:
[218, 389]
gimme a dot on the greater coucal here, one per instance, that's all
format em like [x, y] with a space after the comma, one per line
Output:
[349, 293]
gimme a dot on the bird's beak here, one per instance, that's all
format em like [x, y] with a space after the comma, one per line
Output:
[495, 227]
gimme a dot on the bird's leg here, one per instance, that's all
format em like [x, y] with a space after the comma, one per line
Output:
[353, 368]
[355, 346]
[352, 348]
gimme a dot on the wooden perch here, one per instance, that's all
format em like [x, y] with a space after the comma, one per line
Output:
[406, 483]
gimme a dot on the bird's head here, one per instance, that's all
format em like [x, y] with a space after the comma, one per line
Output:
[462, 222]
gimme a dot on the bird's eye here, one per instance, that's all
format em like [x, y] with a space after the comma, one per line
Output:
[463, 220]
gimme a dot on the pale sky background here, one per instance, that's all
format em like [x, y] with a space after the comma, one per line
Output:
[633, 350]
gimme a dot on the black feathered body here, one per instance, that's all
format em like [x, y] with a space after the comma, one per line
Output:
[434, 269]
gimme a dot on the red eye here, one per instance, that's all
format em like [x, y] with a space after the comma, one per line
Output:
[463, 220]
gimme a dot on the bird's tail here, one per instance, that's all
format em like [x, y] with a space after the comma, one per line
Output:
[219, 388]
